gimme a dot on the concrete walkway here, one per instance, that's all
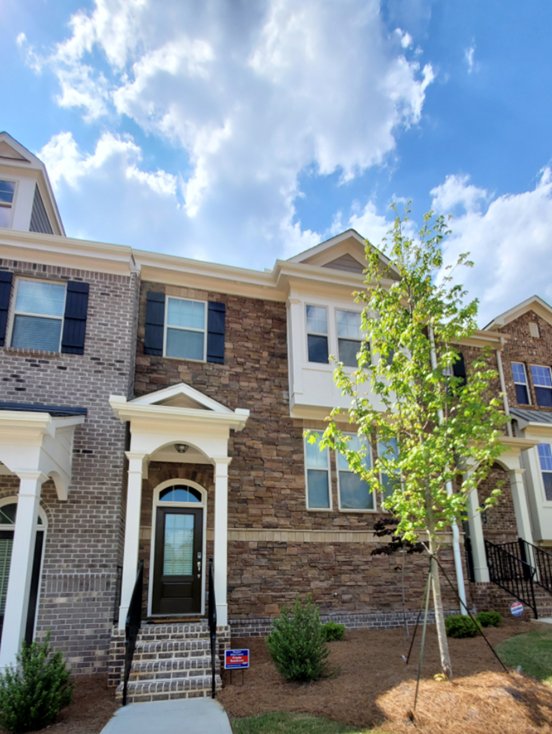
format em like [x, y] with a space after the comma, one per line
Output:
[185, 716]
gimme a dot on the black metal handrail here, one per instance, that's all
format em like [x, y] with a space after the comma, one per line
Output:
[117, 597]
[542, 560]
[212, 627]
[512, 574]
[132, 626]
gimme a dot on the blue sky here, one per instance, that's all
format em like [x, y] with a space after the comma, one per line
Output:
[240, 131]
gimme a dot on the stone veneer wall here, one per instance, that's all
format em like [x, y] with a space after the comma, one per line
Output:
[83, 542]
[277, 549]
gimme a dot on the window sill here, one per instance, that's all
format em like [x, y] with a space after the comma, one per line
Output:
[185, 359]
[359, 512]
[24, 352]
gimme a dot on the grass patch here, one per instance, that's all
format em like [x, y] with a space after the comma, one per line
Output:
[279, 722]
[533, 651]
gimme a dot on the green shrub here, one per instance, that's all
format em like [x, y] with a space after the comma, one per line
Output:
[297, 644]
[333, 631]
[460, 625]
[489, 619]
[33, 693]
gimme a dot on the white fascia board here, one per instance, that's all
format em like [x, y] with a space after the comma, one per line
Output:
[201, 275]
[149, 414]
[154, 398]
[534, 303]
[66, 252]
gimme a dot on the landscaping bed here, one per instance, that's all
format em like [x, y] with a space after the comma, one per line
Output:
[371, 686]
[92, 706]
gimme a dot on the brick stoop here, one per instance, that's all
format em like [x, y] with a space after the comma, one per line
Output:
[171, 661]
[488, 596]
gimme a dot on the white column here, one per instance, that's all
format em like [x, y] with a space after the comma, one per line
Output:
[480, 567]
[132, 531]
[221, 539]
[521, 508]
[21, 566]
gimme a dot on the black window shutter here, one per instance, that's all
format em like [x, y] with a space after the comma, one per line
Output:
[215, 332]
[155, 322]
[74, 321]
[459, 369]
[5, 290]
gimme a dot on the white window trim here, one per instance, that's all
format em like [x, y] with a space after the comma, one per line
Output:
[15, 313]
[185, 328]
[317, 333]
[360, 339]
[373, 494]
[541, 472]
[11, 206]
[318, 468]
[542, 387]
[197, 505]
[526, 383]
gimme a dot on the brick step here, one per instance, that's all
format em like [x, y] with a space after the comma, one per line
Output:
[172, 668]
[163, 649]
[168, 689]
[173, 631]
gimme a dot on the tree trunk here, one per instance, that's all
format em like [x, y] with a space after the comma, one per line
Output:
[439, 614]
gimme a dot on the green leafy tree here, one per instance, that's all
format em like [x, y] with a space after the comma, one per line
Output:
[34, 692]
[432, 426]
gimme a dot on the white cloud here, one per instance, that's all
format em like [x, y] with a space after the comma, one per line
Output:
[510, 243]
[469, 56]
[251, 93]
[456, 191]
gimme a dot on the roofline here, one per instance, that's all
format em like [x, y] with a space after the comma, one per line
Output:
[507, 316]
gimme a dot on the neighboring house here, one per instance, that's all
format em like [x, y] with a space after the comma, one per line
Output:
[153, 407]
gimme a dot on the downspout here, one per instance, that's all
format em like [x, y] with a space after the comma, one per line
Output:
[455, 531]
[503, 384]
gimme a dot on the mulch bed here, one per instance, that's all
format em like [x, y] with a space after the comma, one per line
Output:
[92, 706]
[372, 686]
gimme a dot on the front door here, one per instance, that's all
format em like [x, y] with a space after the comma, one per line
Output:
[177, 561]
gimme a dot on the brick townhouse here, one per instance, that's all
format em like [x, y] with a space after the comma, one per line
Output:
[153, 409]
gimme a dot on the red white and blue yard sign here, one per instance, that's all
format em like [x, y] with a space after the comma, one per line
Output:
[516, 608]
[236, 659]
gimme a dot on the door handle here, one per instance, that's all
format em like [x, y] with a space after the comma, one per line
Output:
[199, 566]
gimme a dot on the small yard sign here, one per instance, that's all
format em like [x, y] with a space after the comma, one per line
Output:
[516, 608]
[236, 659]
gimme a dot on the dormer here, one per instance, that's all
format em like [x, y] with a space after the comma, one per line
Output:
[27, 202]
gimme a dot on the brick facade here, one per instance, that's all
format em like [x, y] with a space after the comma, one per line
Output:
[83, 538]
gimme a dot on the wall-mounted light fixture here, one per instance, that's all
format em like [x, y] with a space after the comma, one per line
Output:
[181, 447]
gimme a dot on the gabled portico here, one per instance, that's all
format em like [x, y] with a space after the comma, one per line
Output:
[178, 416]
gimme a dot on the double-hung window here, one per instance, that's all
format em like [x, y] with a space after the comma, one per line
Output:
[520, 383]
[7, 192]
[38, 315]
[388, 450]
[317, 334]
[185, 329]
[348, 336]
[354, 492]
[545, 456]
[542, 382]
[317, 465]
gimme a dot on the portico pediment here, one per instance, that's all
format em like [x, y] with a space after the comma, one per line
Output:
[181, 396]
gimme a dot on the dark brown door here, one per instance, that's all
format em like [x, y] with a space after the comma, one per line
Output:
[178, 561]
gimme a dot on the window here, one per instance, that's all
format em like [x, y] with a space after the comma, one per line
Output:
[38, 315]
[185, 329]
[354, 492]
[317, 334]
[543, 385]
[317, 465]
[348, 336]
[180, 494]
[7, 191]
[545, 456]
[520, 383]
[388, 450]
